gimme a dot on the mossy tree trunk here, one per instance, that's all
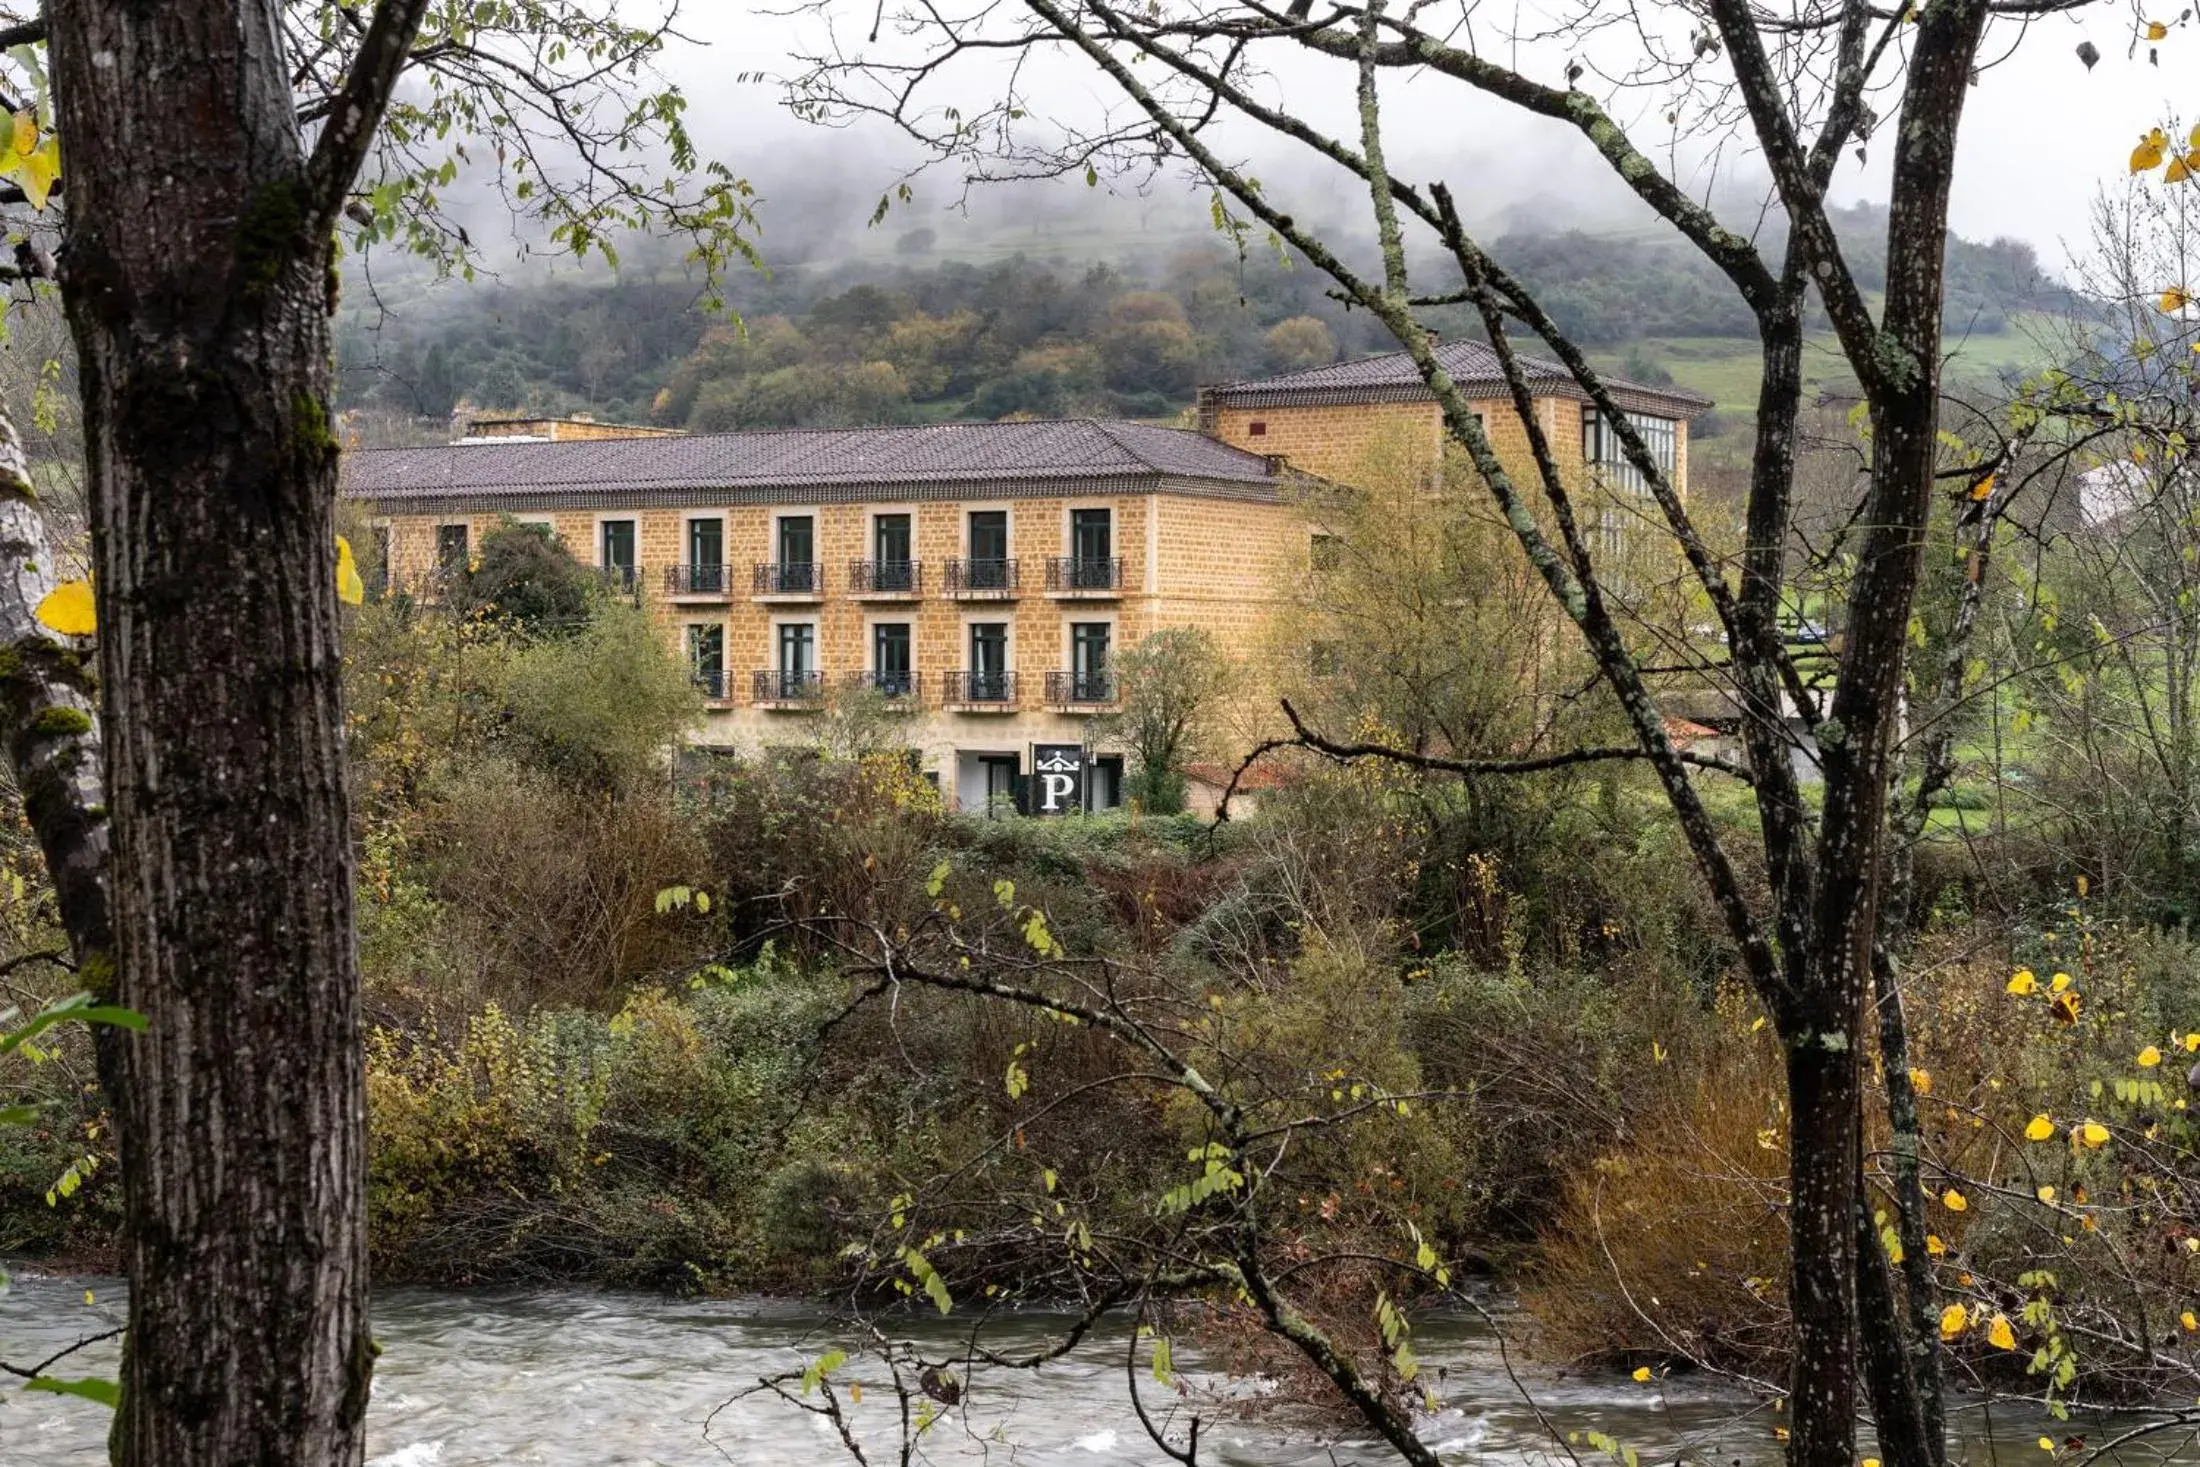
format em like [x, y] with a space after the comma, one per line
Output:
[197, 278]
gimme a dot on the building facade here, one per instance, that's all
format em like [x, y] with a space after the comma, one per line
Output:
[976, 579]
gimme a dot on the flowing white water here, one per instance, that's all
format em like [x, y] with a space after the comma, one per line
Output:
[581, 1379]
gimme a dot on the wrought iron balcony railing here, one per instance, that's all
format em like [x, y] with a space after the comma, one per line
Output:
[698, 580]
[981, 689]
[895, 685]
[982, 577]
[1076, 573]
[886, 577]
[1065, 688]
[789, 578]
[782, 685]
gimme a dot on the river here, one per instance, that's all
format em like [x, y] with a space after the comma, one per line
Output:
[579, 1379]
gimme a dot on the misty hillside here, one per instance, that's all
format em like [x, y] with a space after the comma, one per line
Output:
[922, 336]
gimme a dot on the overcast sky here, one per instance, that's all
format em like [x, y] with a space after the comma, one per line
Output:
[2041, 133]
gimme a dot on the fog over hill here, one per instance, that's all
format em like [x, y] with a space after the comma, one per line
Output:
[1040, 298]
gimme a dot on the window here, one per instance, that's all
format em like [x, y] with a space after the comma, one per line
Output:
[892, 568]
[1325, 554]
[1091, 678]
[890, 539]
[891, 670]
[797, 649]
[616, 538]
[1091, 535]
[1256, 429]
[703, 572]
[450, 547]
[988, 662]
[706, 649]
[988, 568]
[1606, 456]
[1104, 783]
[797, 553]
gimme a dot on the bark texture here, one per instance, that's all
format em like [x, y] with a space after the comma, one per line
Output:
[50, 722]
[197, 281]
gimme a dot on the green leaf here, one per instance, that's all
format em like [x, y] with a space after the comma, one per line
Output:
[108, 1393]
[821, 1367]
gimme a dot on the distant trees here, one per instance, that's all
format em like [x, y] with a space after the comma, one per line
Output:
[1302, 341]
[1171, 686]
[523, 577]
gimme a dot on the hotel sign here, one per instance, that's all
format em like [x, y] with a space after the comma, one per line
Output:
[1057, 779]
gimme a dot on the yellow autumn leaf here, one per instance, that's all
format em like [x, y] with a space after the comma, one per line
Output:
[24, 134]
[2174, 300]
[2092, 1134]
[1869, 1462]
[1642, 1372]
[1984, 488]
[2047, 1444]
[2195, 138]
[1999, 1335]
[2059, 982]
[1953, 1321]
[2024, 983]
[2192, 1042]
[349, 588]
[2156, 31]
[1921, 1081]
[2182, 167]
[2064, 1006]
[34, 168]
[2039, 1129]
[1934, 1246]
[67, 609]
[1953, 1200]
[855, 1392]
[2046, 1195]
[2149, 1057]
[2189, 1321]
[2149, 152]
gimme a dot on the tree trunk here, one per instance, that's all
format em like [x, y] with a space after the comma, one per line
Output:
[199, 297]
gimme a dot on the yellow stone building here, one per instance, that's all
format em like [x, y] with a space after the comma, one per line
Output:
[978, 577]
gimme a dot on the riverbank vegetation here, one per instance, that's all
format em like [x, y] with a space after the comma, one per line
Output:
[701, 1029]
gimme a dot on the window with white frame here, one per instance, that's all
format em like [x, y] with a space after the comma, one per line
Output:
[1606, 454]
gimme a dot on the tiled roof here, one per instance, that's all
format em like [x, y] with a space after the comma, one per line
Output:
[1077, 455]
[1473, 365]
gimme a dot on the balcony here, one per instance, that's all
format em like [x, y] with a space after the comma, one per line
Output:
[788, 580]
[1078, 576]
[885, 580]
[980, 692]
[698, 582]
[982, 580]
[711, 683]
[895, 687]
[779, 688]
[1081, 692]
